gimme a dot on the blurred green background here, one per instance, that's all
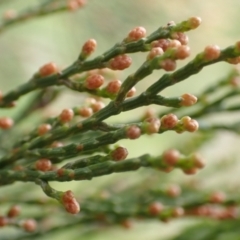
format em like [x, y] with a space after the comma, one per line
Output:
[59, 37]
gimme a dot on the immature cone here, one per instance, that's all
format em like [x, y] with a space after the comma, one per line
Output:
[94, 81]
[155, 208]
[85, 111]
[48, 69]
[152, 125]
[161, 43]
[211, 52]
[29, 225]
[120, 153]
[190, 125]
[6, 123]
[194, 22]
[188, 100]
[70, 203]
[88, 48]
[44, 128]
[43, 164]
[181, 37]
[66, 115]
[136, 34]
[120, 62]
[182, 52]
[171, 157]
[155, 52]
[133, 132]
[14, 211]
[131, 92]
[169, 121]
[113, 86]
[168, 64]
[173, 190]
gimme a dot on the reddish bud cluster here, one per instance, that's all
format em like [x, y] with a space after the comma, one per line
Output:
[171, 157]
[155, 52]
[56, 144]
[173, 190]
[85, 111]
[188, 100]
[14, 211]
[48, 69]
[29, 225]
[155, 208]
[182, 52]
[70, 203]
[194, 22]
[190, 125]
[66, 115]
[168, 64]
[211, 52]
[3, 221]
[161, 43]
[89, 47]
[120, 153]
[133, 132]
[169, 121]
[214, 212]
[174, 44]
[120, 62]
[6, 123]
[198, 160]
[113, 87]
[97, 105]
[44, 128]
[152, 125]
[43, 164]
[94, 81]
[181, 37]
[136, 34]
[131, 92]
[178, 212]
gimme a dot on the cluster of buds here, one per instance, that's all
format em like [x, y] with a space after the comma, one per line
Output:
[44, 128]
[171, 122]
[151, 125]
[66, 115]
[88, 48]
[48, 69]
[29, 225]
[120, 62]
[136, 34]
[215, 212]
[92, 106]
[190, 165]
[119, 154]
[94, 81]
[43, 164]
[70, 203]
[6, 123]
[157, 209]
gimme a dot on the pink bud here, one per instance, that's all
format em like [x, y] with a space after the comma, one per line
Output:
[120, 62]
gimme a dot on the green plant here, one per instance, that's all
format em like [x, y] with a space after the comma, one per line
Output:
[81, 143]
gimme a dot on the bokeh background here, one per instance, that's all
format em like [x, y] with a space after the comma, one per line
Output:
[27, 46]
